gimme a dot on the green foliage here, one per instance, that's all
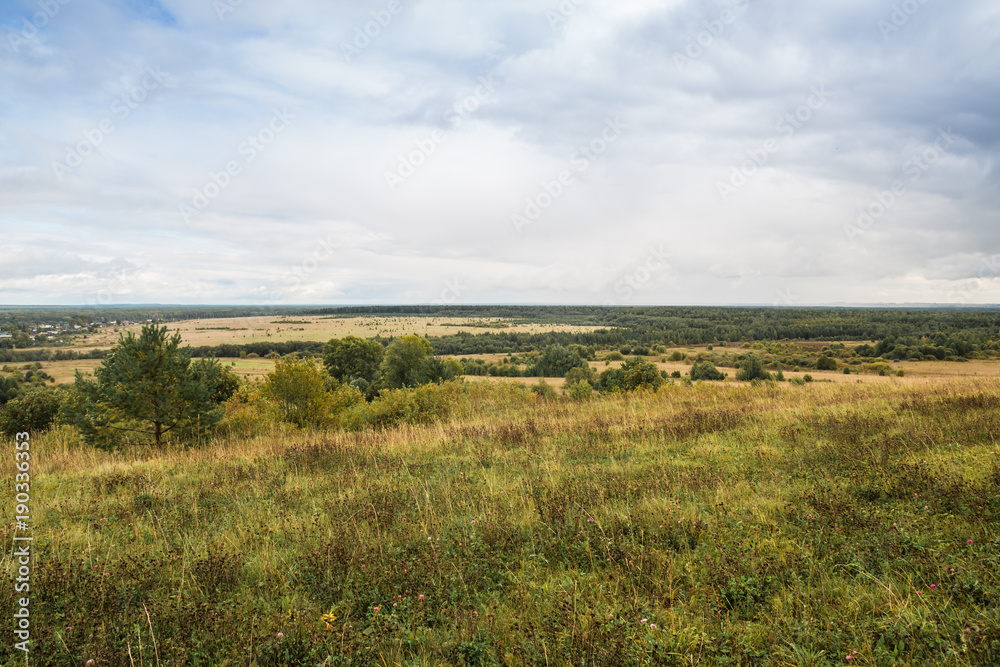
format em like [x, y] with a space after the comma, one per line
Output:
[677, 355]
[418, 405]
[220, 381]
[826, 363]
[9, 389]
[436, 370]
[403, 360]
[351, 358]
[31, 412]
[298, 386]
[556, 361]
[582, 374]
[634, 374]
[545, 390]
[580, 391]
[752, 368]
[706, 370]
[145, 389]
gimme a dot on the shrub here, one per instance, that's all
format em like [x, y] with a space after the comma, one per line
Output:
[31, 412]
[403, 360]
[581, 391]
[581, 374]
[545, 390]
[419, 405]
[675, 374]
[614, 356]
[752, 368]
[298, 387]
[556, 361]
[350, 358]
[826, 363]
[633, 374]
[706, 370]
[807, 378]
[677, 356]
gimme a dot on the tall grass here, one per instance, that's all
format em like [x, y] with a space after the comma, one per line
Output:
[696, 525]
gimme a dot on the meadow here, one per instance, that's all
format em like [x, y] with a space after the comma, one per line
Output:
[273, 329]
[712, 524]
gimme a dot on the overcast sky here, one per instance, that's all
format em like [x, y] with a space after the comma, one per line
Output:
[516, 151]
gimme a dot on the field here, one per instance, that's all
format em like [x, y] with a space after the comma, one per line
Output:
[240, 330]
[714, 524]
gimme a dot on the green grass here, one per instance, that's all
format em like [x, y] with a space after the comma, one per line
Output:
[710, 525]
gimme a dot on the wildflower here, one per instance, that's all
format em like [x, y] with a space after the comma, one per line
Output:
[90, 662]
[919, 593]
[280, 635]
[933, 586]
[420, 597]
[473, 521]
[849, 656]
[969, 542]
[652, 625]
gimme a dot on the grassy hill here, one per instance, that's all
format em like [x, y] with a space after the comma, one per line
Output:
[698, 525]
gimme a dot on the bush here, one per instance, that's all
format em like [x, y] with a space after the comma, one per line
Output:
[581, 391]
[675, 374]
[298, 386]
[826, 363]
[706, 370]
[556, 361]
[581, 374]
[807, 378]
[752, 368]
[31, 412]
[614, 356]
[545, 390]
[421, 405]
[633, 374]
[677, 356]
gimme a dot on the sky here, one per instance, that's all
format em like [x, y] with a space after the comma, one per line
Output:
[612, 152]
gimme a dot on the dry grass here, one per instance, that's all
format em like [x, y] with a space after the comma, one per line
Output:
[760, 525]
[242, 330]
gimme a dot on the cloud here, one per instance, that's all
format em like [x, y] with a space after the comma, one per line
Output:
[701, 88]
